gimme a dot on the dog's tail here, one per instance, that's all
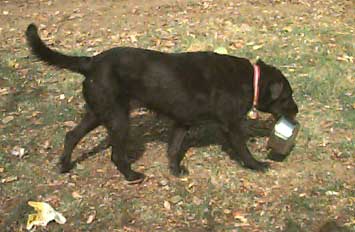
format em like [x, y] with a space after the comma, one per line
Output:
[79, 64]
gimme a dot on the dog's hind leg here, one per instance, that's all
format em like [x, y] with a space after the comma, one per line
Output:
[117, 125]
[72, 138]
[175, 153]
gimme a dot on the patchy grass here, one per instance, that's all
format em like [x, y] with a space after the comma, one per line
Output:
[310, 41]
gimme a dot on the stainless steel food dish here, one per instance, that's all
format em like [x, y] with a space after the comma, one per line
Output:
[283, 137]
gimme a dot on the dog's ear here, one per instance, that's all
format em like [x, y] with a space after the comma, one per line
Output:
[260, 62]
[276, 90]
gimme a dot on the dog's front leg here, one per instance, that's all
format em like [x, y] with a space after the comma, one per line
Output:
[257, 128]
[237, 138]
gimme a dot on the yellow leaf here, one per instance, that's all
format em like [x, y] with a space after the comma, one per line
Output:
[258, 46]
[45, 214]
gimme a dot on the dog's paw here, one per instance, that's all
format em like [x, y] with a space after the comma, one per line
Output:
[135, 177]
[65, 167]
[263, 167]
[64, 164]
[277, 157]
[259, 166]
[179, 171]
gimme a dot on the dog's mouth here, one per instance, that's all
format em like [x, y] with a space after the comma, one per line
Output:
[290, 117]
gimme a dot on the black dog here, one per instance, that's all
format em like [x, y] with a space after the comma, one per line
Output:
[186, 87]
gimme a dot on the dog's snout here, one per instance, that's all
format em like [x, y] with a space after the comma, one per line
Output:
[293, 111]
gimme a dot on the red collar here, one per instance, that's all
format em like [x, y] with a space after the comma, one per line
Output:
[256, 84]
[253, 113]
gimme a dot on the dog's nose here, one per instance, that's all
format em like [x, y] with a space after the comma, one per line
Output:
[292, 113]
[293, 117]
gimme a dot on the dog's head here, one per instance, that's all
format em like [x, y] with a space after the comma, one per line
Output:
[275, 93]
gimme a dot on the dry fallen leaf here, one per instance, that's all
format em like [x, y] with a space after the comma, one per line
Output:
[176, 199]
[163, 182]
[76, 15]
[237, 44]
[47, 145]
[169, 44]
[76, 195]
[239, 216]
[7, 119]
[80, 166]
[91, 217]
[36, 113]
[214, 181]
[18, 151]
[256, 47]
[346, 58]
[9, 179]
[196, 200]
[332, 193]
[4, 91]
[69, 124]
[167, 205]
[227, 211]
[70, 99]
[2, 169]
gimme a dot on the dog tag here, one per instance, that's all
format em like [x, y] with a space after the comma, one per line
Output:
[253, 113]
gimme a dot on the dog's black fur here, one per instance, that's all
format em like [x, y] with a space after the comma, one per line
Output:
[186, 87]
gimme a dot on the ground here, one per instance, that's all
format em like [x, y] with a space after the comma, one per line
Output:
[312, 42]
